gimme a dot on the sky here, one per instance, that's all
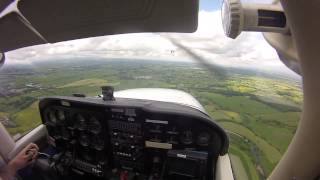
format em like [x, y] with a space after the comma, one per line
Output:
[249, 50]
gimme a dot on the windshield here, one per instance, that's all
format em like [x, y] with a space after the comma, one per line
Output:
[241, 83]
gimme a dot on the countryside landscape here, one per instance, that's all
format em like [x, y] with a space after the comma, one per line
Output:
[259, 111]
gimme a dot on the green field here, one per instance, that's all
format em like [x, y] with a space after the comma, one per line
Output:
[271, 153]
[260, 111]
[30, 113]
[86, 82]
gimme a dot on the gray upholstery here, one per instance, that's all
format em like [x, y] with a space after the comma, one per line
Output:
[14, 33]
[4, 4]
[62, 20]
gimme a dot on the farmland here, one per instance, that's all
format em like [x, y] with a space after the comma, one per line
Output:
[260, 112]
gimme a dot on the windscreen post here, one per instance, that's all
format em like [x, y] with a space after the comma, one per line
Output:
[2, 59]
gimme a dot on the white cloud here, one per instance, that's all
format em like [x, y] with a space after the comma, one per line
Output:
[209, 41]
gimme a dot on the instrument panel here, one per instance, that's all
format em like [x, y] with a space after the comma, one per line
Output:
[136, 139]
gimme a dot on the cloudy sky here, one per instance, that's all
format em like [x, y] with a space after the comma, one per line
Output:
[248, 50]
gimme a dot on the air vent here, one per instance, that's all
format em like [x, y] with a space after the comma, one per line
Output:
[271, 18]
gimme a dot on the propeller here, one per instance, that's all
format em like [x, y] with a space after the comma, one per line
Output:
[214, 69]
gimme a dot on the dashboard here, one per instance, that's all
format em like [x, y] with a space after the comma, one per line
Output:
[131, 139]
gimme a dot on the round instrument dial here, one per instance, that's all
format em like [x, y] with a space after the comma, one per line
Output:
[187, 137]
[61, 115]
[52, 117]
[203, 139]
[81, 122]
[94, 125]
[84, 140]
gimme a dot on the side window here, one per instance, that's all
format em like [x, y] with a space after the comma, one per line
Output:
[19, 114]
